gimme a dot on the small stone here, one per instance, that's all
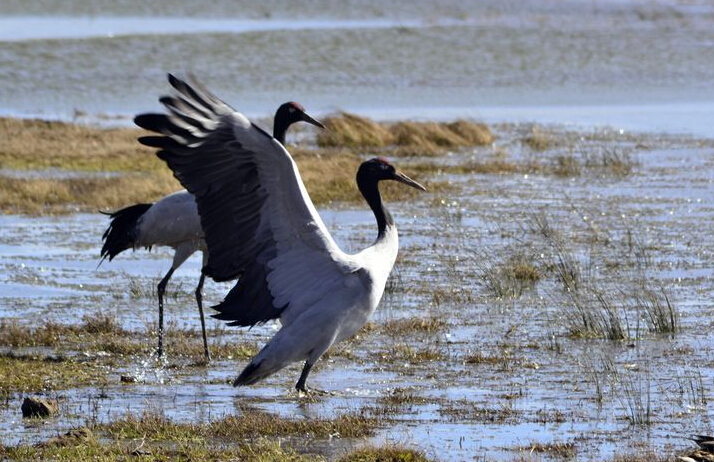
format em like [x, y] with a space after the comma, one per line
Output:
[39, 407]
[127, 379]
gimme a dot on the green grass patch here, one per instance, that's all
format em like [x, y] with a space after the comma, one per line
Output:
[34, 374]
[250, 423]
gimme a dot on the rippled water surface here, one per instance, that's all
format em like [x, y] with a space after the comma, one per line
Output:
[572, 62]
[612, 82]
[646, 230]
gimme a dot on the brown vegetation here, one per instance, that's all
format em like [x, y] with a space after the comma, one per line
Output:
[94, 168]
[402, 138]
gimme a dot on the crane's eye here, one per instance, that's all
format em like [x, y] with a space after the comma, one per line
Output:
[291, 109]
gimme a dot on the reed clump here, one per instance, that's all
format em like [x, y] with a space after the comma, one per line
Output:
[405, 138]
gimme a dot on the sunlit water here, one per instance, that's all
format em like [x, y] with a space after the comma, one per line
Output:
[547, 393]
[629, 65]
[633, 65]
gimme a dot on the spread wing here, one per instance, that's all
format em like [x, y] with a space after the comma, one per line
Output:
[259, 222]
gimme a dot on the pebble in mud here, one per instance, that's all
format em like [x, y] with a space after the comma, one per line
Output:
[39, 407]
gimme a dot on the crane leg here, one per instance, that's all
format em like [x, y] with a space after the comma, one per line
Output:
[160, 290]
[300, 385]
[199, 300]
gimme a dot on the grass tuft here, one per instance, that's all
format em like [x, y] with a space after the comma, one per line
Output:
[406, 138]
[350, 130]
[407, 326]
[250, 423]
[385, 454]
[511, 278]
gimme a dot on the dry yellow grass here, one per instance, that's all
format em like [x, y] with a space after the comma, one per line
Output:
[40, 144]
[137, 174]
[58, 195]
[353, 131]
[539, 140]
[405, 138]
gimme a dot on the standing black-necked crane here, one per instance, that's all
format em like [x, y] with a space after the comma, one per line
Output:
[173, 221]
[261, 227]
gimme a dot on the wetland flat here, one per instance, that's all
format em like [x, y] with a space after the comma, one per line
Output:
[559, 305]
[553, 295]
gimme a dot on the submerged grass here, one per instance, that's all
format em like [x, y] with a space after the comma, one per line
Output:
[512, 277]
[406, 326]
[557, 449]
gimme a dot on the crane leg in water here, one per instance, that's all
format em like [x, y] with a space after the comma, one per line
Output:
[161, 289]
[199, 300]
[300, 385]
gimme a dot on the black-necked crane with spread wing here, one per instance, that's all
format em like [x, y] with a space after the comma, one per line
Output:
[261, 227]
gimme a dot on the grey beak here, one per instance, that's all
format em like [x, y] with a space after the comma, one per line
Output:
[402, 178]
[310, 120]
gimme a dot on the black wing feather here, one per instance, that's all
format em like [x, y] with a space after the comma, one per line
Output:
[223, 176]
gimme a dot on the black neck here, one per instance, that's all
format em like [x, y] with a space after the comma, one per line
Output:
[369, 189]
[280, 127]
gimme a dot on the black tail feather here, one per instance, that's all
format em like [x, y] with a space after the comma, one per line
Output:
[121, 233]
[248, 376]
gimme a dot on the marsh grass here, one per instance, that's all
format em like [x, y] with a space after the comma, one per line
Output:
[611, 161]
[385, 454]
[96, 448]
[62, 195]
[52, 334]
[415, 354]
[610, 306]
[405, 138]
[539, 140]
[556, 449]
[512, 277]
[634, 393]
[139, 176]
[96, 445]
[460, 410]
[504, 359]
[407, 326]
[351, 130]
[103, 333]
[598, 373]
[32, 374]
[249, 423]
[567, 165]
[690, 385]
[604, 162]
[40, 144]
[595, 315]
[661, 316]
[400, 397]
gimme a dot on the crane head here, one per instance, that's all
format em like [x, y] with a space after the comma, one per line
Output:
[291, 112]
[380, 168]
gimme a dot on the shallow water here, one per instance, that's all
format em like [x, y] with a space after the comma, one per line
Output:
[633, 65]
[652, 225]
